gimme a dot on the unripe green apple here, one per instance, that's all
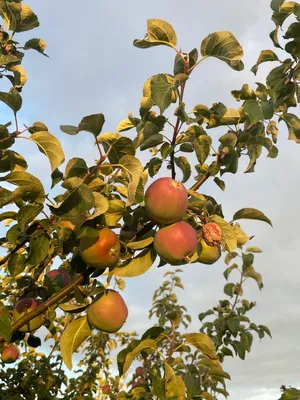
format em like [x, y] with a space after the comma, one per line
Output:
[10, 354]
[108, 313]
[100, 252]
[22, 308]
[174, 243]
[56, 280]
[209, 254]
[166, 200]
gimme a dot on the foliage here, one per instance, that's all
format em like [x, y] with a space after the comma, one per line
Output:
[110, 193]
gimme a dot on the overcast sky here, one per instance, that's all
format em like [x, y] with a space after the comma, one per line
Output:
[94, 68]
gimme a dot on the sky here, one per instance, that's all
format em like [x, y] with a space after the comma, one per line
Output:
[93, 67]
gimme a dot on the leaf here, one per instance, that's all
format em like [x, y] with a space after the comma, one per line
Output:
[143, 345]
[27, 214]
[16, 264]
[12, 99]
[50, 146]
[5, 323]
[115, 212]
[152, 141]
[251, 213]
[161, 91]
[125, 125]
[201, 146]
[76, 167]
[73, 336]
[153, 333]
[38, 250]
[203, 343]
[265, 55]
[229, 270]
[293, 125]
[174, 385]
[20, 77]
[29, 187]
[73, 308]
[28, 20]
[224, 46]
[220, 183]
[159, 32]
[134, 168]
[254, 111]
[8, 215]
[253, 249]
[251, 273]
[137, 266]
[229, 240]
[141, 244]
[69, 129]
[92, 123]
[185, 167]
[36, 44]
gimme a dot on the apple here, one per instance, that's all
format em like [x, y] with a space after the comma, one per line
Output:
[209, 254]
[105, 389]
[108, 312]
[100, 252]
[10, 354]
[23, 307]
[56, 279]
[139, 371]
[174, 243]
[212, 233]
[166, 200]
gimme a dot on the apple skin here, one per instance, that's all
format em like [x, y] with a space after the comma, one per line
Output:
[212, 233]
[100, 252]
[23, 307]
[56, 280]
[10, 354]
[166, 200]
[108, 313]
[139, 371]
[175, 242]
[209, 254]
[105, 389]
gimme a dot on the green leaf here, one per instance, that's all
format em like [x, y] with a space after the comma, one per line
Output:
[51, 147]
[244, 94]
[27, 214]
[293, 125]
[154, 166]
[220, 183]
[229, 139]
[224, 46]
[251, 273]
[254, 111]
[153, 333]
[161, 91]
[230, 256]
[115, 212]
[141, 244]
[159, 32]
[239, 349]
[265, 329]
[81, 199]
[185, 167]
[125, 125]
[16, 264]
[101, 205]
[152, 141]
[27, 21]
[73, 308]
[229, 270]
[73, 336]
[174, 385]
[92, 123]
[229, 289]
[134, 169]
[251, 213]
[233, 325]
[36, 44]
[253, 249]
[5, 323]
[117, 145]
[76, 167]
[38, 250]
[143, 345]
[201, 146]
[265, 55]
[29, 187]
[8, 215]
[69, 129]
[137, 265]
[203, 343]
[229, 240]
[12, 99]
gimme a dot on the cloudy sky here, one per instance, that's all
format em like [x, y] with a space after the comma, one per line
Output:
[93, 68]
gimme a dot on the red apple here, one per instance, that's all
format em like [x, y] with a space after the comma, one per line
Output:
[22, 308]
[10, 354]
[56, 279]
[105, 389]
[108, 313]
[101, 252]
[174, 243]
[166, 200]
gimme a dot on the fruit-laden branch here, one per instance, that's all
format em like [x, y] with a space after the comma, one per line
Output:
[52, 301]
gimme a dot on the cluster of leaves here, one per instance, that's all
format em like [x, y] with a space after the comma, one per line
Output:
[110, 193]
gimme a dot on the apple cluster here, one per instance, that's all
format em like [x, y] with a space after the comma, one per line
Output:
[166, 202]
